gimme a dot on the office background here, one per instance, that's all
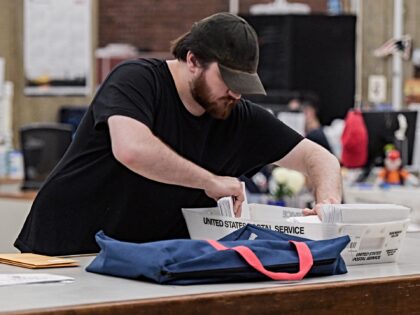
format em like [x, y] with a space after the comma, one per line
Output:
[150, 25]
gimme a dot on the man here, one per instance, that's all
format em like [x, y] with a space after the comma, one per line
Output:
[162, 135]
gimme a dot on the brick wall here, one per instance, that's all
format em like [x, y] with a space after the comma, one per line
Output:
[151, 24]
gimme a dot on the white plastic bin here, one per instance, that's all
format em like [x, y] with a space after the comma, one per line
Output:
[370, 243]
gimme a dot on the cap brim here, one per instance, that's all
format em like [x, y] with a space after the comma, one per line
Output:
[242, 82]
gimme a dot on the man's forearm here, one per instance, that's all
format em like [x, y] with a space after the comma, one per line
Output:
[321, 167]
[323, 170]
[158, 162]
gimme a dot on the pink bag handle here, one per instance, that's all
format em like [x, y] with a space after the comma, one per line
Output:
[304, 254]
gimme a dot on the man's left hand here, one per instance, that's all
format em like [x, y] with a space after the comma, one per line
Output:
[316, 209]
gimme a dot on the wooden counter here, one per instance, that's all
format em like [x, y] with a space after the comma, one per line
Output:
[392, 288]
[10, 188]
[23, 195]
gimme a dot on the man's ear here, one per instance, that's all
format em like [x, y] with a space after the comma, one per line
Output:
[192, 63]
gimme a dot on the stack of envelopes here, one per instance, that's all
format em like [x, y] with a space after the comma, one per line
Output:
[34, 261]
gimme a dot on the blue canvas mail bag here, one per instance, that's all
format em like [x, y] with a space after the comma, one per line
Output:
[248, 254]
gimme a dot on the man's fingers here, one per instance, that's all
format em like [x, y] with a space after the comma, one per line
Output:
[238, 210]
[308, 211]
[237, 207]
[240, 198]
[317, 207]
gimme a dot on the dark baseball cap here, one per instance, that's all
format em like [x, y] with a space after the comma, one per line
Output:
[233, 43]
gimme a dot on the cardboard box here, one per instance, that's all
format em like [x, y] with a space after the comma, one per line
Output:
[370, 243]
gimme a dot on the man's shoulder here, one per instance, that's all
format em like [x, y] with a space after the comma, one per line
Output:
[250, 107]
[138, 64]
[138, 71]
[253, 111]
[143, 62]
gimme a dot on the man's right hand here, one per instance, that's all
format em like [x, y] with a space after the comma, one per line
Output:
[224, 186]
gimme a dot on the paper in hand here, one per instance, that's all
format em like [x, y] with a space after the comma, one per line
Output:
[225, 205]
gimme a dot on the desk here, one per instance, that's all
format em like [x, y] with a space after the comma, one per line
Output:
[369, 289]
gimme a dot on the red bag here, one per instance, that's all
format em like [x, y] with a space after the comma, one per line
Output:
[354, 141]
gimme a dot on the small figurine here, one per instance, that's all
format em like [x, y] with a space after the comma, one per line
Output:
[393, 173]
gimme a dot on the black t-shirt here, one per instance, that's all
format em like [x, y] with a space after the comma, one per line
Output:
[318, 136]
[90, 190]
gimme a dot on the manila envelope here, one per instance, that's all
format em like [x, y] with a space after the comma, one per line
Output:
[34, 261]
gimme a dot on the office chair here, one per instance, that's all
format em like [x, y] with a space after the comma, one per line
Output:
[43, 145]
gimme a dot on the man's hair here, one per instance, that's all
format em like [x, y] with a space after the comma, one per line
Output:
[185, 43]
[230, 41]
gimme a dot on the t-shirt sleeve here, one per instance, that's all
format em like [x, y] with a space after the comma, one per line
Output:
[130, 90]
[267, 139]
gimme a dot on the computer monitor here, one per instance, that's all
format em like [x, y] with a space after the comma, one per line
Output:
[71, 115]
[381, 127]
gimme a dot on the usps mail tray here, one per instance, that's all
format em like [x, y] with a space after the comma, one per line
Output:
[370, 243]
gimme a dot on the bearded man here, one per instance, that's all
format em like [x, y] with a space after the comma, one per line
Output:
[161, 135]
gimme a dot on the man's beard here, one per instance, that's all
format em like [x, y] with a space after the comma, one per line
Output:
[200, 93]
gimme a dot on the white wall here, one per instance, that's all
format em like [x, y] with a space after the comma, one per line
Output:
[13, 213]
